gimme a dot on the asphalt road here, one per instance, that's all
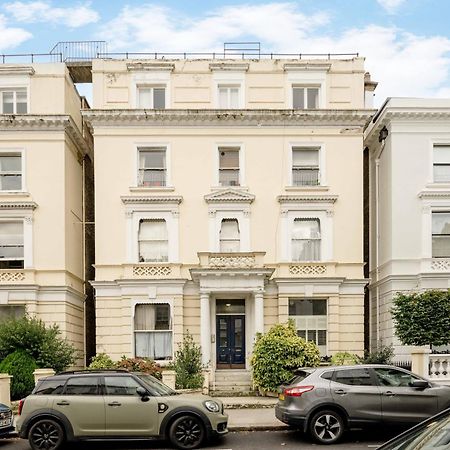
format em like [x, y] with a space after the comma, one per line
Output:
[248, 440]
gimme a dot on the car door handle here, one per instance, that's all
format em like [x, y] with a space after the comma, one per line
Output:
[389, 394]
[340, 391]
[114, 404]
[63, 403]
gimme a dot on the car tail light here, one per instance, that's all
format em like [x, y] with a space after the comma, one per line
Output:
[19, 411]
[297, 391]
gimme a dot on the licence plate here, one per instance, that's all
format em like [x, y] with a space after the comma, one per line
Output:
[281, 397]
[5, 422]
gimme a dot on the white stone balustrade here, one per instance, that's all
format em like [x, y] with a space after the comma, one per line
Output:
[440, 368]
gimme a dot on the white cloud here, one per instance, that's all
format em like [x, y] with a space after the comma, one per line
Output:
[11, 37]
[403, 63]
[43, 11]
[391, 6]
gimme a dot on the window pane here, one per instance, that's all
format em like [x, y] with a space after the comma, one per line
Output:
[152, 159]
[305, 156]
[306, 228]
[155, 345]
[441, 223]
[144, 98]
[229, 177]
[10, 163]
[153, 230]
[10, 182]
[441, 247]
[230, 306]
[145, 317]
[441, 154]
[305, 177]
[393, 377]
[153, 251]
[223, 98]
[50, 387]
[234, 98]
[121, 385]
[307, 307]
[159, 98]
[354, 377]
[441, 173]
[229, 158]
[229, 229]
[298, 98]
[82, 386]
[313, 98]
[21, 100]
[229, 246]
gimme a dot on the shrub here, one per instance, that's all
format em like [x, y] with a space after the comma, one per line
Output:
[382, 355]
[345, 359]
[42, 343]
[145, 365]
[422, 318]
[277, 353]
[102, 361]
[21, 366]
[188, 364]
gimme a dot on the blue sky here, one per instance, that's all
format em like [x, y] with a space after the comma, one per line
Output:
[406, 42]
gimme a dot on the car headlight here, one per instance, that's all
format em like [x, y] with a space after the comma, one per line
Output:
[212, 406]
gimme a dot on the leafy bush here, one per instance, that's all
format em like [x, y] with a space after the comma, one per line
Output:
[345, 359]
[277, 353]
[145, 365]
[382, 355]
[42, 343]
[188, 364]
[422, 318]
[21, 366]
[102, 361]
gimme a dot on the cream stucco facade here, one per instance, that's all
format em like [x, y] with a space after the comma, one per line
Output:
[228, 184]
[42, 153]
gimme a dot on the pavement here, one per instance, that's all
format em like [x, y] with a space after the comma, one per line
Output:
[252, 414]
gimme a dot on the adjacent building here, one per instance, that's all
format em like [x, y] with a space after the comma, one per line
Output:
[44, 156]
[228, 198]
[408, 145]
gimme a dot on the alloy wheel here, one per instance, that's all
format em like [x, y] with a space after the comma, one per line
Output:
[46, 435]
[187, 432]
[327, 427]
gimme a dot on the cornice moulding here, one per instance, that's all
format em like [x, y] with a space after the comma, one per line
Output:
[18, 205]
[220, 117]
[229, 196]
[37, 122]
[150, 66]
[16, 70]
[227, 66]
[307, 198]
[132, 200]
[307, 65]
[434, 194]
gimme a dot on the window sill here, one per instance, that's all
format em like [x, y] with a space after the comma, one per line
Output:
[152, 188]
[15, 193]
[306, 188]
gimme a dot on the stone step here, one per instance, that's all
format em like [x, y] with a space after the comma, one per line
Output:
[233, 376]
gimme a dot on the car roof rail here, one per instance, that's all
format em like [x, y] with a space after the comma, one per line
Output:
[71, 372]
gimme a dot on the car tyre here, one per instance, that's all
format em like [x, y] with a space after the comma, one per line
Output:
[46, 434]
[187, 432]
[326, 427]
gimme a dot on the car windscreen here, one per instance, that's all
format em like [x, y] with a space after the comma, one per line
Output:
[433, 435]
[155, 386]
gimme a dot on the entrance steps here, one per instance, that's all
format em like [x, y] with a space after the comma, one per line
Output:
[232, 382]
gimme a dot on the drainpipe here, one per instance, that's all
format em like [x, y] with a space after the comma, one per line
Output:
[83, 256]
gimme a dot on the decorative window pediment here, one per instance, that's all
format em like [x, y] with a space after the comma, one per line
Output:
[229, 196]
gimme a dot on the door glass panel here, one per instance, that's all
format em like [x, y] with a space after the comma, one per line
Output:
[230, 307]
[223, 333]
[82, 386]
[238, 333]
[121, 386]
[393, 377]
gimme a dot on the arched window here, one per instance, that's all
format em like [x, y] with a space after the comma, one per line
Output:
[229, 236]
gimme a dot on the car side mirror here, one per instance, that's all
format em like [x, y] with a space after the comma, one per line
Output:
[142, 393]
[420, 384]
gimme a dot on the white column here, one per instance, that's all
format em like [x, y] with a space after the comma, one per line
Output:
[205, 328]
[259, 312]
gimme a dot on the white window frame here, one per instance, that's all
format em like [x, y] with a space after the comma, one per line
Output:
[235, 79]
[315, 239]
[305, 95]
[156, 145]
[152, 302]
[233, 240]
[306, 78]
[432, 144]
[139, 240]
[14, 102]
[25, 216]
[326, 231]
[437, 211]
[215, 224]
[216, 159]
[322, 165]
[305, 317]
[149, 79]
[21, 153]
[152, 88]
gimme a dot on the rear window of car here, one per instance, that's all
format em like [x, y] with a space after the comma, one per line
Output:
[49, 387]
[300, 375]
[327, 375]
[353, 377]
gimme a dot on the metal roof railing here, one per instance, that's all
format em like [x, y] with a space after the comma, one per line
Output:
[72, 51]
[30, 57]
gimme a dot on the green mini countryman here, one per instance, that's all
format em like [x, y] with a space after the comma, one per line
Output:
[113, 405]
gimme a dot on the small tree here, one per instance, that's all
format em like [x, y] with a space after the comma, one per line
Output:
[188, 364]
[277, 353]
[422, 318]
[42, 343]
[21, 366]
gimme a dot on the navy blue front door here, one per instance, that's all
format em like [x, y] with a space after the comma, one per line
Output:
[230, 334]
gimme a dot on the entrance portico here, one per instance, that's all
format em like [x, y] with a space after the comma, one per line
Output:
[237, 280]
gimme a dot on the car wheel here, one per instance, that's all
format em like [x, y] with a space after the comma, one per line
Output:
[326, 427]
[187, 432]
[46, 434]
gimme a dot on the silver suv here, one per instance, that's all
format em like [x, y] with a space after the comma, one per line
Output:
[327, 400]
[117, 404]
